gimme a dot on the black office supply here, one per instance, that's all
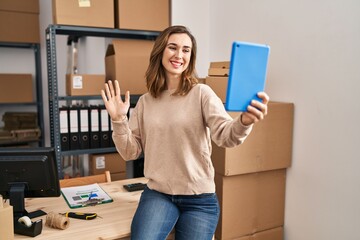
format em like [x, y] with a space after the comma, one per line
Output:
[84, 127]
[135, 186]
[94, 127]
[74, 128]
[64, 128]
[104, 127]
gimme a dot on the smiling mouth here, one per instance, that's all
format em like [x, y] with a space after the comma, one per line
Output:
[176, 64]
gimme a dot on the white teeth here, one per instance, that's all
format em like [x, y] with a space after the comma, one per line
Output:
[176, 64]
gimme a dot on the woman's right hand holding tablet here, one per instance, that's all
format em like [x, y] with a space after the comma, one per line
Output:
[111, 96]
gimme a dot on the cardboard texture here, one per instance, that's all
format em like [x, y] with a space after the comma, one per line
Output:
[224, 64]
[224, 72]
[268, 147]
[16, 88]
[127, 60]
[90, 13]
[84, 84]
[113, 162]
[218, 85]
[6, 221]
[250, 203]
[151, 15]
[29, 6]
[118, 176]
[271, 234]
[19, 21]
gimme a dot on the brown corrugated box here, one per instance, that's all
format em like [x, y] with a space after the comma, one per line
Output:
[94, 13]
[269, 145]
[113, 162]
[84, 84]
[118, 176]
[151, 15]
[218, 85]
[6, 221]
[16, 88]
[271, 234]
[127, 61]
[19, 21]
[250, 203]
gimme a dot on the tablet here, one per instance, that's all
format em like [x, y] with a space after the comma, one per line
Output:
[247, 75]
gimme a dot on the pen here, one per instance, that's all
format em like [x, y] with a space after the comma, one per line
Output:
[90, 196]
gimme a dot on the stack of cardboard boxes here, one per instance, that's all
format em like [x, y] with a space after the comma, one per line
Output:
[250, 178]
[126, 60]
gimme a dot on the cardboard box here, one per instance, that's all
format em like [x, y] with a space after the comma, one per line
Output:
[151, 15]
[113, 162]
[127, 61]
[268, 147]
[271, 234]
[19, 21]
[118, 176]
[90, 13]
[84, 84]
[16, 88]
[250, 203]
[218, 85]
[6, 221]
[222, 72]
[224, 64]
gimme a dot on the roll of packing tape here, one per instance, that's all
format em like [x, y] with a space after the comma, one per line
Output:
[25, 220]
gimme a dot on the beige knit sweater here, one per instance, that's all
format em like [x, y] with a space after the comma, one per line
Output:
[174, 133]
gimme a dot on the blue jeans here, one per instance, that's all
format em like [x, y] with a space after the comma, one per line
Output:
[194, 217]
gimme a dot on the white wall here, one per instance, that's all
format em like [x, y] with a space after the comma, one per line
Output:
[314, 63]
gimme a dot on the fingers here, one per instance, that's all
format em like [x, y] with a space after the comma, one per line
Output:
[127, 97]
[265, 98]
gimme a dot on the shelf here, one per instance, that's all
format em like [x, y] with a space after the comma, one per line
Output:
[102, 32]
[51, 32]
[88, 151]
[38, 80]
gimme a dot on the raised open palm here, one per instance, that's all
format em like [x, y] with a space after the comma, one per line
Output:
[111, 96]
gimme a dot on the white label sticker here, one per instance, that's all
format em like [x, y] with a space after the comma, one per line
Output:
[77, 82]
[84, 3]
[100, 162]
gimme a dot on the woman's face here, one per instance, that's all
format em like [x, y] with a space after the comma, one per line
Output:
[177, 53]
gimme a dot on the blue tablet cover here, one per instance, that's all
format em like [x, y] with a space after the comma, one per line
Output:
[248, 66]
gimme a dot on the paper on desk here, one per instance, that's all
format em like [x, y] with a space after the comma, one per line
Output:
[79, 196]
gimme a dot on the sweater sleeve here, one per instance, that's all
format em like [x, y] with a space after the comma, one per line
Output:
[225, 131]
[127, 139]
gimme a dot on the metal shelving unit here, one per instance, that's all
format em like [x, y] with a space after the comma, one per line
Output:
[54, 98]
[39, 96]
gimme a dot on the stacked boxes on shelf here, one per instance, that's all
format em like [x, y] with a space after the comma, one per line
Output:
[19, 21]
[123, 14]
[250, 178]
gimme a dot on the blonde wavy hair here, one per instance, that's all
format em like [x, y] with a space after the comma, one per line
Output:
[155, 74]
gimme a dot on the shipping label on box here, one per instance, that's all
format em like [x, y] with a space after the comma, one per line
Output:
[84, 84]
[94, 13]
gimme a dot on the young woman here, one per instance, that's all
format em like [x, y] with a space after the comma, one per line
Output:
[173, 125]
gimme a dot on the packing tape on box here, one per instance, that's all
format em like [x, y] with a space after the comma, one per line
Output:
[25, 220]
